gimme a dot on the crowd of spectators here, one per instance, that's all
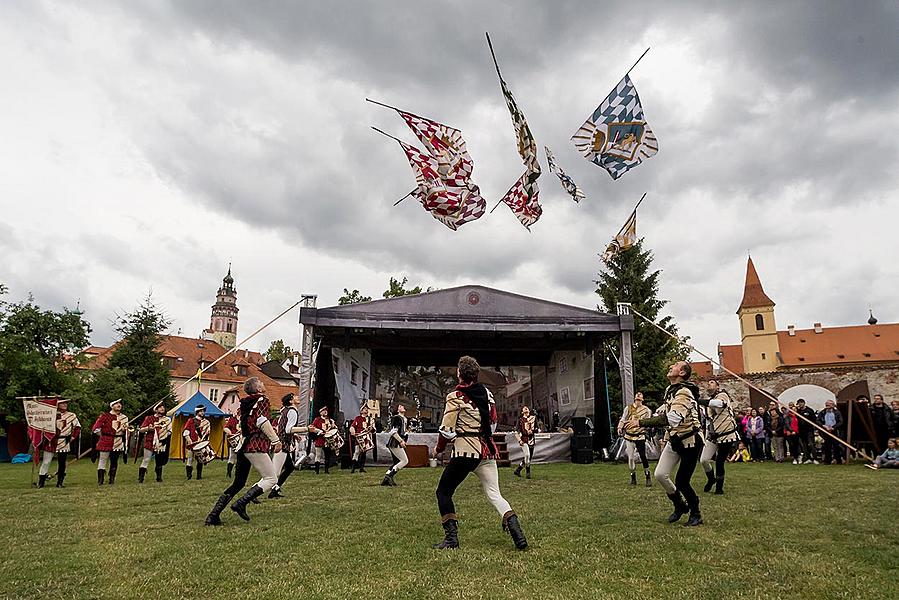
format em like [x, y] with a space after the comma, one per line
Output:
[779, 434]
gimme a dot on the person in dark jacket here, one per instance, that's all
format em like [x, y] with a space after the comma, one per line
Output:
[806, 432]
[882, 415]
[832, 420]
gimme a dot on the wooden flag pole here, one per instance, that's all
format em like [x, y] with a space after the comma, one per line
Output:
[493, 54]
[635, 64]
[639, 202]
[404, 197]
[393, 137]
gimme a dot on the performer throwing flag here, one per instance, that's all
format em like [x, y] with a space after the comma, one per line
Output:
[67, 429]
[635, 437]
[396, 443]
[525, 430]
[112, 429]
[196, 430]
[468, 421]
[680, 415]
[721, 436]
[259, 438]
[157, 431]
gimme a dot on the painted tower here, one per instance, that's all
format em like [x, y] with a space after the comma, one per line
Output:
[223, 322]
[757, 328]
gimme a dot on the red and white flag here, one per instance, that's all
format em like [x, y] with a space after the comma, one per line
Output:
[445, 144]
[522, 198]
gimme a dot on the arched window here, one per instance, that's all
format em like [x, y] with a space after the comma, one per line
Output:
[229, 327]
[759, 323]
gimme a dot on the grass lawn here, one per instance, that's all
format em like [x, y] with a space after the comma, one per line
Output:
[781, 531]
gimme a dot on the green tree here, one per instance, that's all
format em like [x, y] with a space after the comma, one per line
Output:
[92, 391]
[353, 297]
[397, 288]
[137, 355]
[278, 351]
[628, 277]
[35, 350]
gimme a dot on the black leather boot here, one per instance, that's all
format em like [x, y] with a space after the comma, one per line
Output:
[719, 486]
[190, 472]
[230, 468]
[59, 479]
[353, 470]
[648, 477]
[141, 472]
[159, 474]
[680, 507]
[112, 474]
[695, 518]
[276, 492]
[710, 481]
[633, 478]
[450, 535]
[362, 464]
[240, 507]
[518, 471]
[511, 524]
[199, 471]
[527, 470]
[101, 475]
[41, 480]
[213, 517]
[317, 466]
[388, 479]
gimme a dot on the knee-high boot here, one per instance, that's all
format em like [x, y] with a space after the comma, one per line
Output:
[680, 507]
[199, 471]
[42, 479]
[230, 468]
[450, 535]
[190, 472]
[59, 479]
[213, 517]
[711, 481]
[695, 517]
[511, 524]
[362, 462]
[158, 473]
[719, 485]
[101, 475]
[240, 507]
[141, 472]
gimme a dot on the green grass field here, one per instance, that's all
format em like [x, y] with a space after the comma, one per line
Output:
[781, 531]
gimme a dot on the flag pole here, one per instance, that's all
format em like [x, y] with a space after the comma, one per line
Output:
[639, 202]
[393, 137]
[404, 197]
[493, 54]
[497, 205]
[395, 108]
[635, 64]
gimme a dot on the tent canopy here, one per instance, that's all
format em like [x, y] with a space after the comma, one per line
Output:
[188, 407]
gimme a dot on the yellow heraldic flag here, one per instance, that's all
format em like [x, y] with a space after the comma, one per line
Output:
[625, 239]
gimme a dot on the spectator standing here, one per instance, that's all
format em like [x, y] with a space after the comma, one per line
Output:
[791, 435]
[895, 406]
[832, 420]
[743, 421]
[769, 429]
[776, 426]
[806, 432]
[882, 415]
[755, 429]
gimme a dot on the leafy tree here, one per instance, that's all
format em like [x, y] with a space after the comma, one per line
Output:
[137, 355]
[93, 390]
[628, 277]
[353, 297]
[397, 288]
[278, 351]
[35, 348]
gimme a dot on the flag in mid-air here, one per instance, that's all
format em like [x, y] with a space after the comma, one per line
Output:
[445, 143]
[616, 136]
[524, 205]
[625, 239]
[568, 184]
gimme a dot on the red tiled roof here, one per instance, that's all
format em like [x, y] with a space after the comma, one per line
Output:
[731, 357]
[702, 369]
[753, 294]
[840, 345]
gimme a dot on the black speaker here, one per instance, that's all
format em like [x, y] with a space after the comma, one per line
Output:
[581, 442]
[582, 457]
[579, 424]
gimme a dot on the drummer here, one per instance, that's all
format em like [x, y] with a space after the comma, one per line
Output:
[360, 434]
[196, 430]
[320, 428]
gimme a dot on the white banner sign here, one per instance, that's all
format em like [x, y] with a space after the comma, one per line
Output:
[40, 416]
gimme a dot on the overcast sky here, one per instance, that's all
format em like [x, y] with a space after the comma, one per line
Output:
[145, 145]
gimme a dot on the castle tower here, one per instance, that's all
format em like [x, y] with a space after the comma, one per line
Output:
[757, 328]
[223, 322]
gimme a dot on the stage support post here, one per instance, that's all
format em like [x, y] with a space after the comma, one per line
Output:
[626, 360]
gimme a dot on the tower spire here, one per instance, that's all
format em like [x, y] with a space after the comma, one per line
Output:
[754, 295]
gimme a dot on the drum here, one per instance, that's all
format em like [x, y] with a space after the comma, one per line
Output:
[333, 440]
[203, 452]
[235, 441]
[364, 442]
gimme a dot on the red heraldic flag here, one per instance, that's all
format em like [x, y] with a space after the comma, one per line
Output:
[525, 206]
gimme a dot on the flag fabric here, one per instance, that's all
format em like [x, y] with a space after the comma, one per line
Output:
[616, 136]
[527, 145]
[40, 415]
[524, 205]
[567, 183]
[445, 143]
[625, 239]
[453, 202]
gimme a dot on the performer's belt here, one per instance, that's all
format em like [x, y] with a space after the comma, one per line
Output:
[716, 436]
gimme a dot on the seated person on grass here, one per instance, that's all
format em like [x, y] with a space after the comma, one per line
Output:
[741, 454]
[890, 457]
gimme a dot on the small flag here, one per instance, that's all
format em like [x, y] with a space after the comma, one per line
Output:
[616, 136]
[524, 205]
[625, 239]
[567, 183]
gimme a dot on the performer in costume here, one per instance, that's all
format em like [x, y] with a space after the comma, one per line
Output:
[287, 432]
[396, 443]
[721, 436]
[231, 430]
[635, 437]
[260, 437]
[680, 414]
[525, 431]
[360, 434]
[469, 420]
[112, 428]
[157, 432]
[196, 430]
[320, 426]
[67, 429]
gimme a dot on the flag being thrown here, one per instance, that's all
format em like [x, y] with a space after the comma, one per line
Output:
[568, 184]
[626, 237]
[523, 196]
[445, 144]
[616, 136]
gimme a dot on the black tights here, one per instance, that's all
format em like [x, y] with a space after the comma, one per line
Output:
[113, 464]
[453, 475]
[725, 449]
[61, 458]
[641, 450]
[688, 459]
[241, 472]
[286, 470]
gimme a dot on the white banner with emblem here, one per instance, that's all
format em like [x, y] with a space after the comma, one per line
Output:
[40, 416]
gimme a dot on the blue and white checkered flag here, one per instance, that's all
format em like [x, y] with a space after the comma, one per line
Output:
[616, 136]
[568, 183]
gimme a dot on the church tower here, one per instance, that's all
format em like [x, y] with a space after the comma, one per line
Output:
[757, 328]
[223, 323]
